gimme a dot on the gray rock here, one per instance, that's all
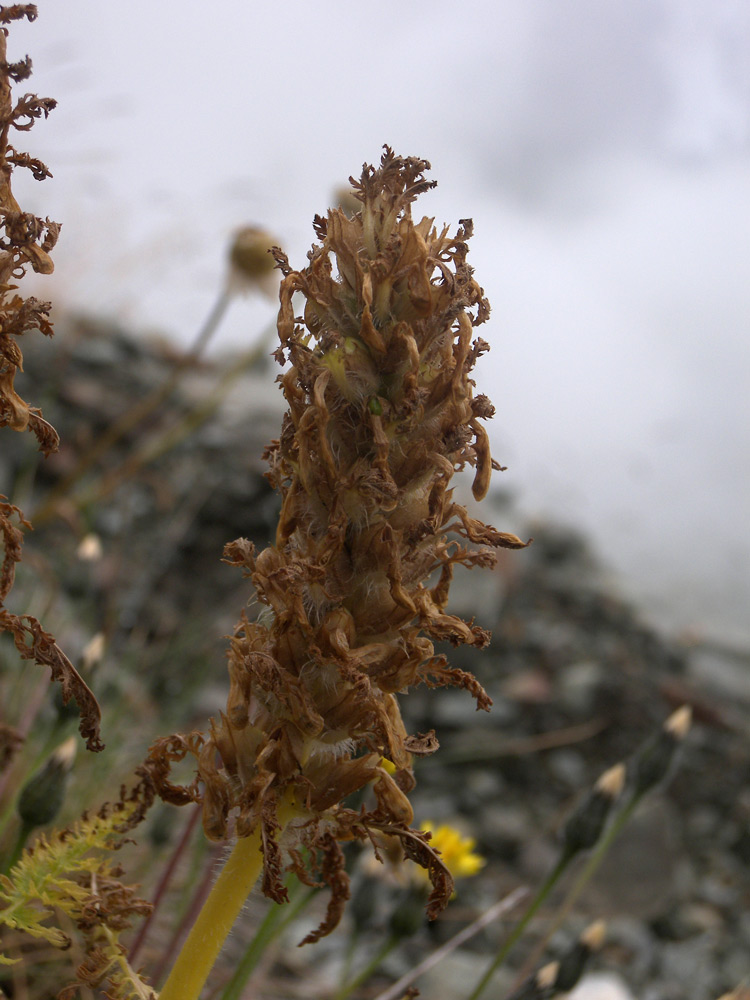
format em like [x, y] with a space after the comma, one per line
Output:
[691, 965]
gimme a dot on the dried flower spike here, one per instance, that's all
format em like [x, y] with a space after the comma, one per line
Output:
[381, 414]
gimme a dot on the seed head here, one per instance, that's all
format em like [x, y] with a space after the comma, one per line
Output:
[251, 266]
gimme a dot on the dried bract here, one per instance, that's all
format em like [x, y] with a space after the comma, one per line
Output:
[381, 414]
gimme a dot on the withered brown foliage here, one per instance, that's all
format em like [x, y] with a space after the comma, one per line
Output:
[381, 414]
[26, 240]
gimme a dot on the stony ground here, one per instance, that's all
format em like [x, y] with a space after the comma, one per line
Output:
[577, 681]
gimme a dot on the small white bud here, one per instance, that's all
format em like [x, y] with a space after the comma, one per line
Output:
[90, 548]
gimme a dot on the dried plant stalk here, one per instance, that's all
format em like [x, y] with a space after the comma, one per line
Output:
[381, 414]
[26, 240]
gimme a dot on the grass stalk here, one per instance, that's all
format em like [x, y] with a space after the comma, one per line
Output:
[375, 962]
[24, 832]
[276, 920]
[188, 911]
[509, 902]
[540, 896]
[585, 876]
[164, 881]
[136, 414]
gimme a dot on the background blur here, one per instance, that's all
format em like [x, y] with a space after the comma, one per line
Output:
[603, 150]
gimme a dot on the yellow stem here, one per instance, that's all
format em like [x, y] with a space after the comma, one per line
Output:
[217, 916]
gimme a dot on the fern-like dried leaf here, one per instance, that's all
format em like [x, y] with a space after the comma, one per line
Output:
[33, 643]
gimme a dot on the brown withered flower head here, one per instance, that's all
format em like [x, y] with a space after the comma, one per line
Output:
[381, 414]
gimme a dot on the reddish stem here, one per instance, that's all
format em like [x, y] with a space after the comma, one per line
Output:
[164, 881]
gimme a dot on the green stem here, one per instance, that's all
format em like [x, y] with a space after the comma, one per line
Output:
[351, 949]
[137, 413]
[375, 962]
[275, 921]
[172, 436]
[587, 873]
[522, 924]
[596, 859]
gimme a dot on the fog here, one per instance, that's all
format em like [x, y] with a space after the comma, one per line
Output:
[603, 151]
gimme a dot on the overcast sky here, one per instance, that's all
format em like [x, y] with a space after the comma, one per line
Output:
[602, 148]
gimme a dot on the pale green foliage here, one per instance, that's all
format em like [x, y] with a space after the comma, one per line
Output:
[72, 871]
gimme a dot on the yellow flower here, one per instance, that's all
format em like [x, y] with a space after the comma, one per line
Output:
[457, 851]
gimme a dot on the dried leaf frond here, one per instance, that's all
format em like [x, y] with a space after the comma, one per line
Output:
[32, 641]
[24, 240]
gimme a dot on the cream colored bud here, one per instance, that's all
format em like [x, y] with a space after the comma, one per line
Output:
[612, 782]
[90, 548]
[594, 935]
[43, 794]
[93, 651]
[65, 754]
[547, 975]
[653, 762]
[679, 722]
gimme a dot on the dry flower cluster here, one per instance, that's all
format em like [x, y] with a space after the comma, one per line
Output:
[381, 414]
